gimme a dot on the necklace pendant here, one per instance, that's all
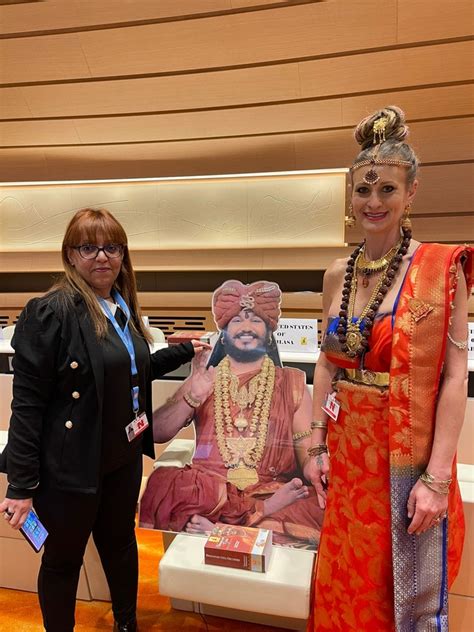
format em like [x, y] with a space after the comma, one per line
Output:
[365, 280]
[241, 423]
[353, 340]
[242, 476]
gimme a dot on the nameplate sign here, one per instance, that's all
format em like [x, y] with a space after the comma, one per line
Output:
[297, 334]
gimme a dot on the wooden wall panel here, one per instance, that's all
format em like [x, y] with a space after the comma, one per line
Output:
[445, 189]
[272, 35]
[289, 117]
[415, 67]
[434, 20]
[180, 92]
[13, 104]
[451, 141]
[51, 14]
[34, 59]
[387, 70]
[256, 37]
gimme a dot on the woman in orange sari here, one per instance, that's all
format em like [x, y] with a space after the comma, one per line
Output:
[394, 358]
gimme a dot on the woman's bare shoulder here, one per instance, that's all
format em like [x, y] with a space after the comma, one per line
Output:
[335, 272]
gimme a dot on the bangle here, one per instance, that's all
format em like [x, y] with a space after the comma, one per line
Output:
[316, 450]
[440, 487]
[319, 423]
[191, 401]
[301, 435]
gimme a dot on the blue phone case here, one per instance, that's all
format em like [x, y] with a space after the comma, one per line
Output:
[34, 531]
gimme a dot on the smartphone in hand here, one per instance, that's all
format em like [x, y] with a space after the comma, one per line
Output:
[34, 531]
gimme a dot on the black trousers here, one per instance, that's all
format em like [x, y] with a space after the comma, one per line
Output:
[70, 518]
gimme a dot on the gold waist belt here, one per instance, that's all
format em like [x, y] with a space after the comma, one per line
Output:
[369, 378]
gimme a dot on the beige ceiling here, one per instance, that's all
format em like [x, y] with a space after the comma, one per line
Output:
[143, 88]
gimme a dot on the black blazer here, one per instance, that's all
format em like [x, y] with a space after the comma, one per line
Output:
[56, 423]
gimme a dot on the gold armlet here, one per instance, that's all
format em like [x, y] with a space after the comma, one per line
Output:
[301, 435]
[319, 423]
[191, 401]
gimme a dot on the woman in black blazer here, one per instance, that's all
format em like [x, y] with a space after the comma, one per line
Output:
[81, 418]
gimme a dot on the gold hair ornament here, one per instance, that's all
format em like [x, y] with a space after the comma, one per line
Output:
[378, 129]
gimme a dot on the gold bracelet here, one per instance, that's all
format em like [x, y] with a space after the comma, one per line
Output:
[316, 450]
[442, 487]
[191, 401]
[444, 492]
[301, 435]
[319, 423]
[460, 344]
[431, 479]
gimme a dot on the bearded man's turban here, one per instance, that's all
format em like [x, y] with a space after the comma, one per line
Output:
[263, 298]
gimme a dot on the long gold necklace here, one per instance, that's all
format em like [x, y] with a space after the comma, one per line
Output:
[244, 397]
[242, 454]
[366, 267]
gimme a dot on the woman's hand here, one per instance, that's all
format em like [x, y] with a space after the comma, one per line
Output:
[426, 508]
[200, 383]
[316, 470]
[16, 511]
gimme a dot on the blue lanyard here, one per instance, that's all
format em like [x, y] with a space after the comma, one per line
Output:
[126, 337]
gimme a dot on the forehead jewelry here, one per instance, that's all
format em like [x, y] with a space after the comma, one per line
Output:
[371, 176]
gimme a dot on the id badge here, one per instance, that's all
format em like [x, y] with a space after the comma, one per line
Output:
[331, 406]
[136, 427]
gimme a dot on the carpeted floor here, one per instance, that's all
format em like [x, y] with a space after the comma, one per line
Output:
[19, 611]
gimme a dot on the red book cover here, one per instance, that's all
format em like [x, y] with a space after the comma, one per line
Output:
[239, 547]
[192, 334]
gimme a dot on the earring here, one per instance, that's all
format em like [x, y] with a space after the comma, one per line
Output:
[350, 219]
[406, 221]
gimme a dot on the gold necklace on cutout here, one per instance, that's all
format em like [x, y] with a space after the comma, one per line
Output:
[242, 454]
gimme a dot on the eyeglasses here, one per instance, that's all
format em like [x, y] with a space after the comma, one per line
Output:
[112, 251]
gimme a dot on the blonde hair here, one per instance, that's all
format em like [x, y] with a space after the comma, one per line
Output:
[394, 145]
[87, 226]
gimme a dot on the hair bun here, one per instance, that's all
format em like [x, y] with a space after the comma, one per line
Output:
[395, 129]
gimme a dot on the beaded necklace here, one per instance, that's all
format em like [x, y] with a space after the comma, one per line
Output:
[354, 342]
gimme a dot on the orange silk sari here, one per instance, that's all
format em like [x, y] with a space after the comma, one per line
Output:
[371, 575]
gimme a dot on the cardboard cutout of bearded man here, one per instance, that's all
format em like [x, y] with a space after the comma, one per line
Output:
[252, 420]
